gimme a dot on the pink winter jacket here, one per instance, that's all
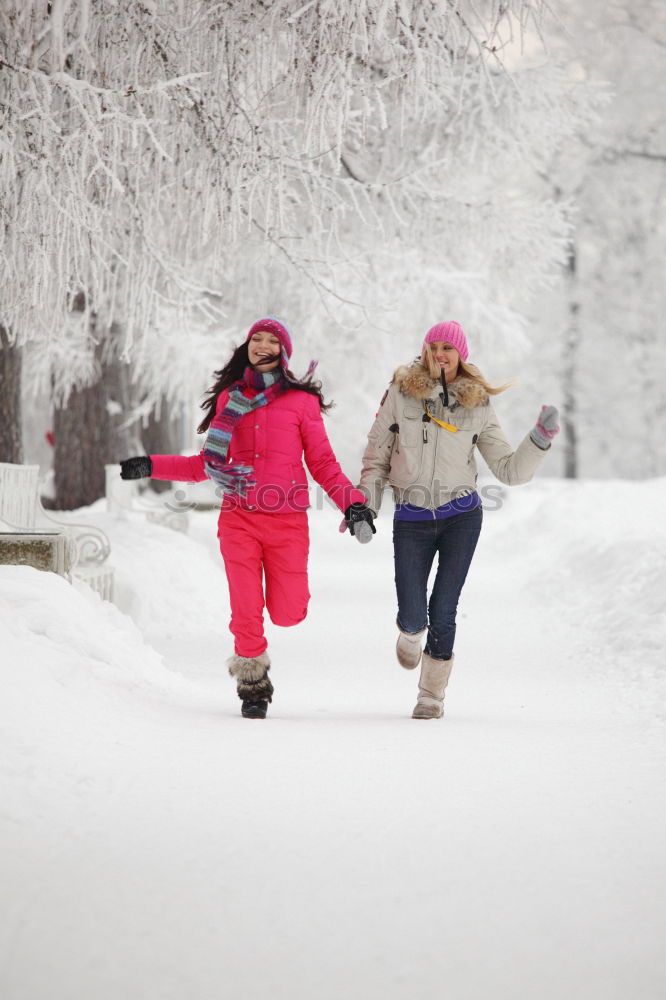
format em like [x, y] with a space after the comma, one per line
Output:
[273, 439]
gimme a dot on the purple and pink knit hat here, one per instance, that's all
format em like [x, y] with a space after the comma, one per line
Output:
[270, 324]
[448, 333]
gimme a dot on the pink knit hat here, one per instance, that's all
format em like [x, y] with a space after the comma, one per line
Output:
[270, 324]
[448, 333]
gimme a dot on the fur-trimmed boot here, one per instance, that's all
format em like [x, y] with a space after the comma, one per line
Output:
[432, 685]
[254, 688]
[408, 648]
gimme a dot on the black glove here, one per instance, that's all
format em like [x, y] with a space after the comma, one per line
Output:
[358, 514]
[136, 468]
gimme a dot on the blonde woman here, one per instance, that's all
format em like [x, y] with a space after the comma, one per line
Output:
[433, 418]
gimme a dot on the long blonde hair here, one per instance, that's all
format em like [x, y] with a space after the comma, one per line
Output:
[465, 370]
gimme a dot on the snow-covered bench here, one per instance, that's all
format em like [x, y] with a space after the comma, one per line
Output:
[30, 535]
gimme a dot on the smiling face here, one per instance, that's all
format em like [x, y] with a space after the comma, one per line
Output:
[263, 350]
[446, 357]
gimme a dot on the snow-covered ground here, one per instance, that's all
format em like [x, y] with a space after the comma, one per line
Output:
[156, 846]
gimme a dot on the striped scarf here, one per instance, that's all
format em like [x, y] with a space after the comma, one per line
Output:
[234, 478]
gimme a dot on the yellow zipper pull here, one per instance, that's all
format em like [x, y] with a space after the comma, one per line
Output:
[447, 427]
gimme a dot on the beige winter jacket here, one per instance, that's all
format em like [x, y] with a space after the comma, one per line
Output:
[428, 465]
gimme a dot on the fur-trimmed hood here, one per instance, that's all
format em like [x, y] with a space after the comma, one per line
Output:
[413, 380]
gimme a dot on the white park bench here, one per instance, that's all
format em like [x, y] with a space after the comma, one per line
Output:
[29, 535]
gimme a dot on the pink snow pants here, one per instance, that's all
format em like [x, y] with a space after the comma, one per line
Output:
[257, 546]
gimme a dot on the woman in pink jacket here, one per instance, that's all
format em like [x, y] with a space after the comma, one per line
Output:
[261, 423]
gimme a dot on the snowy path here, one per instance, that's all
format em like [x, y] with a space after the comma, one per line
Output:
[158, 847]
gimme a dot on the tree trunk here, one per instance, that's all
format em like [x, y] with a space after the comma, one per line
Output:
[11, 449]
[88, 435]
[80, 432]
[569, 371]
[162, 436]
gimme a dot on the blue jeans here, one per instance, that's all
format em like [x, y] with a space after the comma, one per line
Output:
[415, 544]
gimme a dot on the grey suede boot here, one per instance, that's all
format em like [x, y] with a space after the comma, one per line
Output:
[432, 684]
[254, 688]
[408, 648]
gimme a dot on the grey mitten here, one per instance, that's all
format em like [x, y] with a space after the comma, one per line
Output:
[363, 532]
[358, 518]
[546, 427]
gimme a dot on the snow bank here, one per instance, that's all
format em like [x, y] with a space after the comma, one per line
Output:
[594, 553]
[45, 621]
[168, 582]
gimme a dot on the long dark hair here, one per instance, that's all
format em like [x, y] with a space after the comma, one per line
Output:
[233, 372]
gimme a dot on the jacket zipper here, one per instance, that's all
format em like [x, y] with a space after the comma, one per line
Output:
[435, 445]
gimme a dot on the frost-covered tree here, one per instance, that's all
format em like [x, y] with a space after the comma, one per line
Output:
[601, 346]
[370, 153]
